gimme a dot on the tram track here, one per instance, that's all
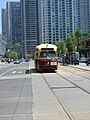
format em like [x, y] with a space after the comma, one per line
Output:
[77, 70]
[74, 84]
[71, 85]
[60, 101]
[67, 112]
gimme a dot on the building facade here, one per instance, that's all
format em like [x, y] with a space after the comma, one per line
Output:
[13, 23]
[88, 15]
[76, 12]
[85, 16]
[56, 20]
[4, 22]
[59, 18]
[33, 22]
[29, 16]
[3, 44]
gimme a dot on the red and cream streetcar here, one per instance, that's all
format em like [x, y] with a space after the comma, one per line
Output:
[45, 57]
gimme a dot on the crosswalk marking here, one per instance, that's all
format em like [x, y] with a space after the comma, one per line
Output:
[18, 72]
[14, 72]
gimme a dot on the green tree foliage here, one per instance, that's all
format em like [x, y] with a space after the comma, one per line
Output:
[11, 55]
[78, 35]
[30, 55]
[70, 43]
[75, 42]
[61, 46]
[6, 54]
[16, 47]
[88, 35]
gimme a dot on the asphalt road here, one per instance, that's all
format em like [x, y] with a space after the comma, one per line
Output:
[26, 94]
[15, 92]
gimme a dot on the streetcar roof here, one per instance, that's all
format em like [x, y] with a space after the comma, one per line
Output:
[46, 46]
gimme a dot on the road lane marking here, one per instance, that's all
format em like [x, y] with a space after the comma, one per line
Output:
[12, 77]
[14, 72]
[7, 71]
[20, 72]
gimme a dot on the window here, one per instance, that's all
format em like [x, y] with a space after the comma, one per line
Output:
[49, 54]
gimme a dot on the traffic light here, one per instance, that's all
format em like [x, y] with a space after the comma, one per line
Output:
[88, 42]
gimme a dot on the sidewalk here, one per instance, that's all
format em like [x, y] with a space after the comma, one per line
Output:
[3, 62]
[80, 66]
[87, 68]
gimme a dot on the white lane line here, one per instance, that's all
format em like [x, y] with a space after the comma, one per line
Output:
[7, 71]
[14, 72]
[20, 72]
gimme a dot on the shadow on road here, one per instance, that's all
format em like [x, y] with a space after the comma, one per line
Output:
[46, 71]
[33, 70]
[27, 72]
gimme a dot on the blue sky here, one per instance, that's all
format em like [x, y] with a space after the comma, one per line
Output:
[3, 5]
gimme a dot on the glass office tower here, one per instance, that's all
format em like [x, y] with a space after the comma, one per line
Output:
[4, 23]
[13, 23]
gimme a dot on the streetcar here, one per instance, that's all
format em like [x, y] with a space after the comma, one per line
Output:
[45, 57]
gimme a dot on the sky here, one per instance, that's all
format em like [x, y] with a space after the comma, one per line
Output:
[3, 5]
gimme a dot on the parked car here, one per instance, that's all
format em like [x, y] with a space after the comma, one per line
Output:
[88, 61]
[83, 60]
[17, 61]
[3, 60]
[26, 60]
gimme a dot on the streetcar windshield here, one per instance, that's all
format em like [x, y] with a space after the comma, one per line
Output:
[49, 54]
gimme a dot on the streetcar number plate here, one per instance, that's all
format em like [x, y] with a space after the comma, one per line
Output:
[53, 63]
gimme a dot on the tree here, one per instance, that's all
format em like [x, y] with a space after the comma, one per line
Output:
[16, 47]
[61, 47]
[70, 43]
[13, 55]
[30, 55]
[6, 54]
[78, 35]
[88, 35]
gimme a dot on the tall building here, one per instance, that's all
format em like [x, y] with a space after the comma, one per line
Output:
[76, 12]
[4, 22]
[29, 16]
[44, 21]
[85, 16]
[13, 23]
[3, 44]
[89, 16]
[56, 20]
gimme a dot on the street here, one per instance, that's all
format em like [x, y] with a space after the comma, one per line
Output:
[26, 94]
[15, 92]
